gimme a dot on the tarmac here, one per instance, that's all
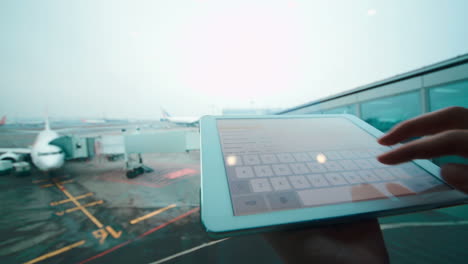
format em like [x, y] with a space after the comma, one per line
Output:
[89, 212]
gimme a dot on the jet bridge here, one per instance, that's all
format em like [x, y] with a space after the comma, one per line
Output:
[164, 141]
[130, 145]
[76, 147]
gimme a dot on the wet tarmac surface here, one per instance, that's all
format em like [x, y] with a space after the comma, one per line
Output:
[89, 212]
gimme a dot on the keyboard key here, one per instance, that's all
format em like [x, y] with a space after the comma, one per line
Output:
[317, 180]
[399, 172]
[285, 157]
[399, 188]
[251, 160]
[249, 204]
[361, 153]
[368, 176]
[384, 174]
[335, 179]
[332, 155]
[269, 158]
[280, 183]
[316, 167]
[239, 187]
[364, 164]
[365, 192]
[302, 157]
[413, 170]
[347, 154]
[299, 168]
[377, 152]
[283, 200]
[299, 182]
[352, 177]
[313, 155]
[244, 172]
[281, 169]
[263, 171]
[348, 165]
[314, 197]
[332, 166]
[260, 185]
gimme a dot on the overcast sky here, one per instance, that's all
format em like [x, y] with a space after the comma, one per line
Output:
[130, 58]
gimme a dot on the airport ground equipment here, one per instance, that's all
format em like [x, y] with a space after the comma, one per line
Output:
[22, 168]
[6, 167]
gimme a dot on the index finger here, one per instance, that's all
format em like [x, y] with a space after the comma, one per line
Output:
[453, 142]
[428, 124]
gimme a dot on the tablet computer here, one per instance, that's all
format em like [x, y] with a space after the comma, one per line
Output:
[262, 173]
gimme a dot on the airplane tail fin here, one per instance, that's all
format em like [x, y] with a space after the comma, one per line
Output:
[3, 121]
[47, 123]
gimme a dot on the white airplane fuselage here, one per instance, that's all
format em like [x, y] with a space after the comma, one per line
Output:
[184, 120]
[45, 156]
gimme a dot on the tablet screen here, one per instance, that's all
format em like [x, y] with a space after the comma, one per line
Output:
[281, 164]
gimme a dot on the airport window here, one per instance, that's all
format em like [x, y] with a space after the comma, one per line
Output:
[454, 94]
[348, 109]
[386, 112]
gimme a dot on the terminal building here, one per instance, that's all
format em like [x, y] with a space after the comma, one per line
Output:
[385, 103]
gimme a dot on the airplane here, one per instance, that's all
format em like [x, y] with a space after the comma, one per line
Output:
[44, 156]
[179, 120]
[3, 121]
[94, 121]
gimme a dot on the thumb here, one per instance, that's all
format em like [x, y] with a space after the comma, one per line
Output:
[456, 175]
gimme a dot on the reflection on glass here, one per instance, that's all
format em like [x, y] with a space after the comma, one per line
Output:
[385, 113]
[321, 158]
[231, 160]
[453, 94]
[348, 109]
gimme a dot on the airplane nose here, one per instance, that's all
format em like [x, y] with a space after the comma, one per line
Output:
[52, 162]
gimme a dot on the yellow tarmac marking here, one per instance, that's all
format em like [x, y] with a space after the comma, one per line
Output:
[136, 220]
[51, 184]
[79, 207]
[113, 232]
[48, 179]
[100, 234]
[68, 200]
[84, 210]
[56, 252]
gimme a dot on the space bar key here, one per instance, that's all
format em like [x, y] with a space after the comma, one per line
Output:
[314, 197]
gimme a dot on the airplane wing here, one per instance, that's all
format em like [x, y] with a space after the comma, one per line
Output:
[16, 150]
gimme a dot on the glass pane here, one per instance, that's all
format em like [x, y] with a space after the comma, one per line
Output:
[348, 109]
[386, 112]
[454, 94]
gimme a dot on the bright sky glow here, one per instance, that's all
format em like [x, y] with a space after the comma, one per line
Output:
[371, 12]
[128, 59]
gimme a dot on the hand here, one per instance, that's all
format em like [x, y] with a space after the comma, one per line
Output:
[356, 242]
[446, 133]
